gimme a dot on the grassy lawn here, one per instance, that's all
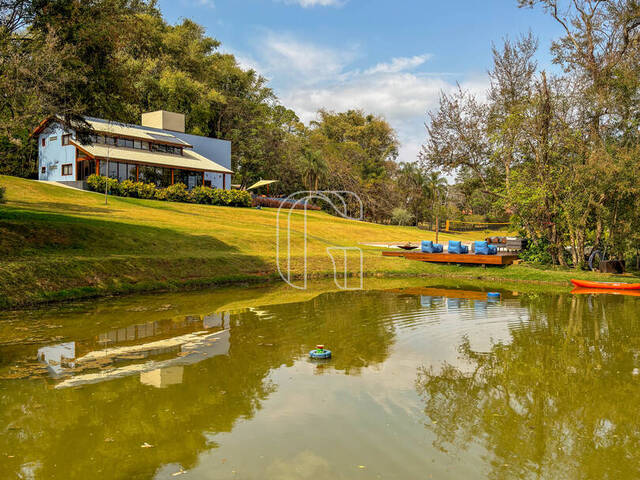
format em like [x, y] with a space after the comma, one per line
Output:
[59, 243]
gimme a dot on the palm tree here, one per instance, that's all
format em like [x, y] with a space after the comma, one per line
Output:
[314, 168]
[436, 186]
[412, 183]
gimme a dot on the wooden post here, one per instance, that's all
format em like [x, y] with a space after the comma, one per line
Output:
[203, 179]
[137, 173]
[97, 167]
[172, 176]
[224, 181]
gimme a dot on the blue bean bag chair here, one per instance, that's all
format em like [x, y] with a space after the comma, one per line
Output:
[481, 248]
[429, 247]
[455, 246]
[493, 250]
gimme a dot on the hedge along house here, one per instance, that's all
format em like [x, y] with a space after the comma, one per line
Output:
[158, 151]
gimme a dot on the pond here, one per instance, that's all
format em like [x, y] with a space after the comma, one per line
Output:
[427, 380]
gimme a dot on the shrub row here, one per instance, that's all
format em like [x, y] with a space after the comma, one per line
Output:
[174, 193]
[276, 203]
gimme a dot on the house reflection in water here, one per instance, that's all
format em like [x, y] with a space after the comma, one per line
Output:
[130, 350]
[162, 377]
[58, 357]
[163, 328]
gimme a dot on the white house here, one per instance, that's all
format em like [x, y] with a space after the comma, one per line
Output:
[158, 151]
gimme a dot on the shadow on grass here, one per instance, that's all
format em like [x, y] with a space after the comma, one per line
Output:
[39, 233]
[56, 207]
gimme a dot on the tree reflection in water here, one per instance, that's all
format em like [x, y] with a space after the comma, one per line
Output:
[96, 431]
[559, 401]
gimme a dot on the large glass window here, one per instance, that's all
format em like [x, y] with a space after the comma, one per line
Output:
[119, 170]
[113, 169]
[85, 168]
[190, 178]
[131, 172]
[161, 177]
[123, 172]
[195, 180]
[156, 147]
[181, 176]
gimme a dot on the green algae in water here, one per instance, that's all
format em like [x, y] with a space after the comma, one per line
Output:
[425, 380]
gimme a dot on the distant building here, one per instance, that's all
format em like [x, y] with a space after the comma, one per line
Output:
[158, 151]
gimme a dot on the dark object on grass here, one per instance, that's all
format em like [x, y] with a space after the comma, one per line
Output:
[612, 266]
[408, 246]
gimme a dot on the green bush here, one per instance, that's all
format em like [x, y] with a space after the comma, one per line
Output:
[129, 189]
[537, 252]
[146, 190]
[178, 193]
[400, 216]
[161, 194]
[202, 195]
[232, 198]
[174, 193]
[2, 193]
[97, 183]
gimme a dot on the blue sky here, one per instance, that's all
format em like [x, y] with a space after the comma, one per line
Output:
[388, 58]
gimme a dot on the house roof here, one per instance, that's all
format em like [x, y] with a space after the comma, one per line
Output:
[189, 160]
[123, 130]
[135, 131]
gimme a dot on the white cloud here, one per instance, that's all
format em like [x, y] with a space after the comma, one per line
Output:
[304, 61]
[202, 3]
[308, 77]
[403, 99]
[316, 3]
[399, 64]
[398, 97]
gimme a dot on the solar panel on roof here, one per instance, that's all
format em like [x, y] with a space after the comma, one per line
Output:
[166, 138]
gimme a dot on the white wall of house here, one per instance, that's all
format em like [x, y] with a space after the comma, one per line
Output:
[216, 179]
[52, 156]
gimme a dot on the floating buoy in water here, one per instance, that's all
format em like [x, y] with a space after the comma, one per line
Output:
[320, 352]
[493, 295]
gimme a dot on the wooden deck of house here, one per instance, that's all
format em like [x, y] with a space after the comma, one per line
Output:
[501, 259]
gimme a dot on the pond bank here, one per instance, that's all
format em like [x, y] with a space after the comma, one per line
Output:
[59, 244]
[514, 275]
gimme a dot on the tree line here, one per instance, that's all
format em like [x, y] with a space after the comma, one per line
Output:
[558, 151]
[115, 59]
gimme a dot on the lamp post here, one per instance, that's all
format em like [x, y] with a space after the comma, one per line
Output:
[106, 183]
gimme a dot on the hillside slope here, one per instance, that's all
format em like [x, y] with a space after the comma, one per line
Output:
[58, 243]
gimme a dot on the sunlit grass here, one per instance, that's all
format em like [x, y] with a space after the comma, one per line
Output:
[63, 243]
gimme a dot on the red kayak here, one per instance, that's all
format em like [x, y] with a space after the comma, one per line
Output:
[605, 291]
[607, 285]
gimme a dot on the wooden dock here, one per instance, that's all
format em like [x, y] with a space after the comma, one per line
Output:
[501, 259]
